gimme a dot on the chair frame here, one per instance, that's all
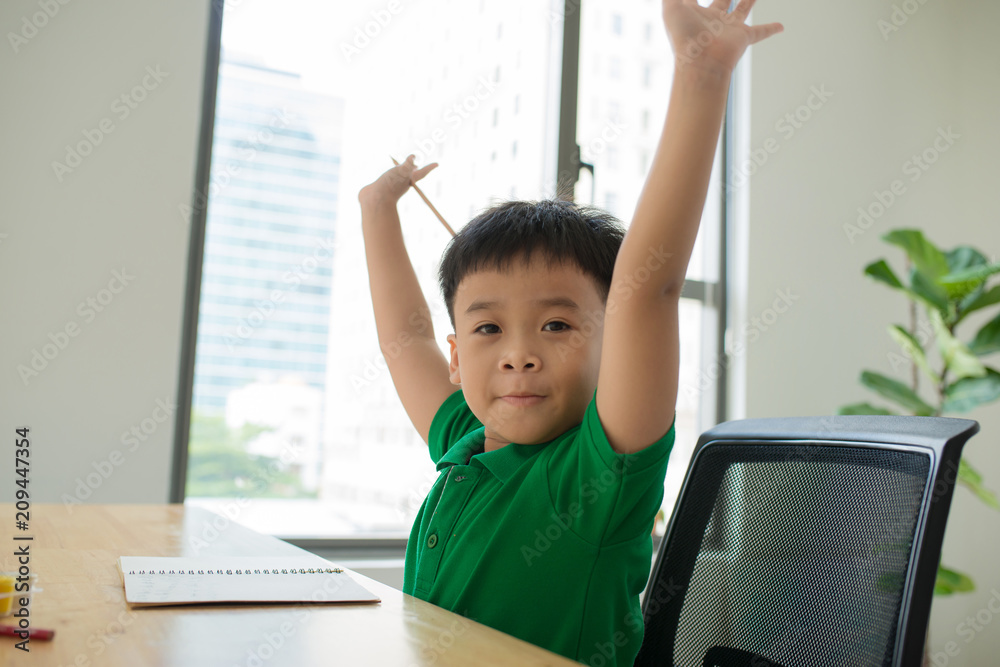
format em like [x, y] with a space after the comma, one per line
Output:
[941, 438]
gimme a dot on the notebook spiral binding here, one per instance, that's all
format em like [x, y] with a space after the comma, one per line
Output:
[328, 570]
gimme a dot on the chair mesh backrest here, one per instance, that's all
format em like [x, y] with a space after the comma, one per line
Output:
[789, 554]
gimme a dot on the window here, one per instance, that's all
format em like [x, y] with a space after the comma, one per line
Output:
[601, 139]
[614, 66]
[294, 418]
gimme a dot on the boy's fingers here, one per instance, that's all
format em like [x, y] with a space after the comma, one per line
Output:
[423, 171]
[742, 10]
[759, 32]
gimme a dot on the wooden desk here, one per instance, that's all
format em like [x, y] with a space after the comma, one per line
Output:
[74, 554]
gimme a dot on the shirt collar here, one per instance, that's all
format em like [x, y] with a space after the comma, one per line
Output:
[503, 462]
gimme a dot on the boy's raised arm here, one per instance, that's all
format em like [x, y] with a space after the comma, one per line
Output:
[405, 333]
[640, 358]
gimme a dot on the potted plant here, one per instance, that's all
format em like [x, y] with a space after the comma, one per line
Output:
[949, 285]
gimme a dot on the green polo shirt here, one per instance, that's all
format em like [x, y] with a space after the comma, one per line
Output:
[550, 543]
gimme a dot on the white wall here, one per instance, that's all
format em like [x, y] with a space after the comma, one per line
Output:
[117, 210]
[889, 97]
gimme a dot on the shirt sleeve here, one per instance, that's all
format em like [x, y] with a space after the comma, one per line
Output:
[451, 422]
[609, 498]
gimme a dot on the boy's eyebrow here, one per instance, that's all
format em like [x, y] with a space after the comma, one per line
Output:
[556, 301]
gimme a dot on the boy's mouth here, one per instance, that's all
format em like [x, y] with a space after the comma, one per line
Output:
[522, 399]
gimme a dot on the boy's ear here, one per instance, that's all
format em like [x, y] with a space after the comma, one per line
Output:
[453, 373]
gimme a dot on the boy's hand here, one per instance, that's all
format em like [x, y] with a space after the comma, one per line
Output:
[709, 38]
[393, 184]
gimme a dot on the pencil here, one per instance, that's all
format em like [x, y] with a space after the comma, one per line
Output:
[427, 201]
[33, 633]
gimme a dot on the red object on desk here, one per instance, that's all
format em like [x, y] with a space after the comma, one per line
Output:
[33, 633]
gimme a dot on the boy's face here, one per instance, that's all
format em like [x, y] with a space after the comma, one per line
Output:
[534, 331]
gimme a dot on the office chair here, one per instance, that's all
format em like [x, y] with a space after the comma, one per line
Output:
[804, 542]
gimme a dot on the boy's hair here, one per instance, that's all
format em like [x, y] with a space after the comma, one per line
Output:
[563, 232]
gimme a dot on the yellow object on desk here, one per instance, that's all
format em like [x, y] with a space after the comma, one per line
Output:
[6, 594]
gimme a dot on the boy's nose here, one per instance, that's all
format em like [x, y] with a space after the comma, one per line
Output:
[520, 358]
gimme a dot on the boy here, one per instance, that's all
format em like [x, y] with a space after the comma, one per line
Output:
[552, 454]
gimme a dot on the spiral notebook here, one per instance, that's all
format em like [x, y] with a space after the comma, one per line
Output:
[169, 581]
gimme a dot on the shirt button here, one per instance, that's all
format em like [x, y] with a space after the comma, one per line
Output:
[432, 540]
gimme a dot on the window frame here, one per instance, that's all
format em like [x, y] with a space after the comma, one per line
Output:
[568, 164]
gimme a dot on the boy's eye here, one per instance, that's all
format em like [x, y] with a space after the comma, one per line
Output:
[493, 329]
[560, 326]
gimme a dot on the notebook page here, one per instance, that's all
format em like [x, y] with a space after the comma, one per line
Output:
[159, 581]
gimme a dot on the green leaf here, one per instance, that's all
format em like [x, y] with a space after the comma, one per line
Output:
[911, 346]
[987, 339]
[896, 391]
[925, 256]
[968, 474]
[929, 291]
[975, 274]
[960, 290]
[964, 257]
[923, 289]
[880, 271]
[863, 409]
[951, 581]
[987, 298]
[959, 361]
[972, 480]
[968, 393]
